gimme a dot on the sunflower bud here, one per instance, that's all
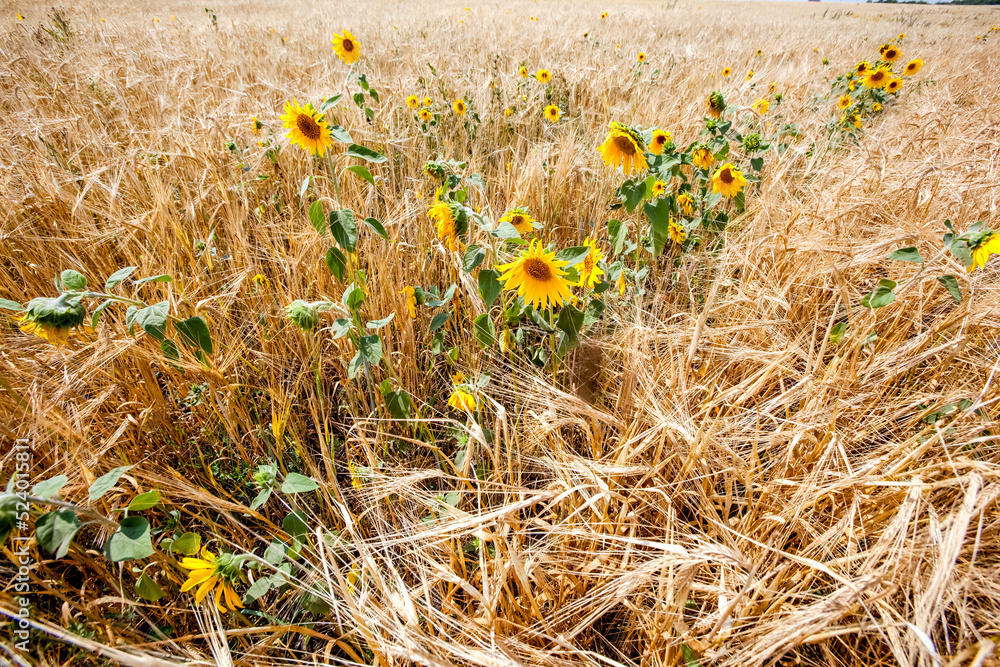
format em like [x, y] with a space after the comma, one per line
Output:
[715, 104]
[303, 314]
[264, 477]
[751, 142]
[434, 170]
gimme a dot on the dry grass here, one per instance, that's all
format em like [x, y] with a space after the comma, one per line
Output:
[708, 471]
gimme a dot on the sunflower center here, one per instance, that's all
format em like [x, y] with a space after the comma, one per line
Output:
[347, 45]
[624, 144]
[308, 126]
[661, 139]
[588, 263]
[538, 269]
[726, 176]
[517, 220]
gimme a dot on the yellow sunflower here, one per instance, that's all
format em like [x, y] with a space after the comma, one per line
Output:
[981, 253]
[876, 107]
[426, 115]
[894, 85]
[726, 71]
[749, 75]
[412, 102]
[844, 102]
[590, 272]
[715, 104]
[702, 158]
[262, 283]
[543, 75]
[659, 142]
[307, 128]
[659, 187]
[891, 54]
[686, 202]
[411, 300]
[761, 106]
[462, 400]
[728, 180]
[458, 106]
[913, 66]
[676, 232]
[552, 113]
[623, 147]
[642, 57]
[862, 68]
[444, 223]
[54, 319]
[210, 570]
[878, 78]
[523, 72]
[537, 276]
[428, 102]
[519, 219]
[347, 47]
[759, 53]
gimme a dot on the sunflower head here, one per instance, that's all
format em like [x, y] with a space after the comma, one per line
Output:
[412, 102]
[262, 283]
[425, 115]
[590, 272]
[913, 66]
[726, 71]
[677, 232]
[844, 102]
[686, 203]
[507, 112]
[624, 146]
[434, 169]
[459, 107]
[523, 72]
[307, 128]
[759, 53]
[450, 222]
[552, 113]
[659, 187]
[303, 314]
[728, 180]
[544, 76]
[661, 142]
[221, 572]
[702, 157]
[347, 48]
[751, 142]
[762, 105]
[750, 75]
[641, 57]
[520, 219]
[894, 85]
[987, 245]
[537, 276]
[862, 68]
[878, 78]
[53, 319]
[411, 300]
[715, 104]
[891, 53]
[462, 400]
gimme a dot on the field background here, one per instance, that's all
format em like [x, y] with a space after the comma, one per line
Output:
[710, 481]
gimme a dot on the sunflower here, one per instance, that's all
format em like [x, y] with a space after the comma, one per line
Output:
[411, 300]
[702, 157]
[676, 232]
[426, 115]
[844, 102]
[891, 54]
[877, 78]
[900, 37]
[981, 253]
[856, 121]
[761, 106]
[728, 180]
[427, 102]
[642, 57]
[537, 276]
[462, 400]
[552, 113]
[659, 142]
[523, 72]
[876, 107]
[262, 283]
[210, 570]
[894, 85]
[913, 66]
[54, 319]
[444, 215]
[659, 187]
[590, 272]
[759, 53]
[862, 68]
[519, 219]
[623, 147]
[882, 49]
[850, 86]
[749, 75]
[773, 87]
[716, 104]
[543, 75]
[726, 71]
[458, 106]
[347, 47]
[412, 102]
[255, 125]
[307, 128]
[686, 202]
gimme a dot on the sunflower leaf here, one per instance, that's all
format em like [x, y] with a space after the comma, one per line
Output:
[398, 402]
[329, 102]
[910, 254]
[474, 255]
[55, 530]
[489, 286]
[951, 284]
[73, 280]
[365, 153]
[131, 542]
[439, 320]
[337, 263]
[7, 304]
[344, 229]
[316, 216]
[881, 296]
[658, 213]
[341, 135]
[573, 256]
[486, 335]
[117, 277]
[104, 483]
[147, 589]
[837, 332]
[617, 233]
[362, 173]
[377, 227]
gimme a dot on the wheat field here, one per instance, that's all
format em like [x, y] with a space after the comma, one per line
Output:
[716, 472]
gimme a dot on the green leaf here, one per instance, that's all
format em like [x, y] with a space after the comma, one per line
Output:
[170, 349]
[658, 213]
[881, 296]
[837, 332]
[951, 284]
[295, 525]
[337, 263]
[474, 256]
[439, 320]
[130, 314]
[97, 312]
[362, 173]
[50, 487]
[187, 544]
[340, 327]
[486, 335]
[104, 483]
[147, 589]
[118, 276]
[573, 256]
[353, 297]
[153, 319]
[144, 501]
[316, 216]
[73, 280]
[505, 230]
[398, 402]
[617, 233]
[371, 348]
[276, 551]
[344, 229]
[378, 324]
[329, 102]
[633, 192]
[194, 332]
[489, 286]
[296, 483]
[367, 154]
[256, 590]
[355, 365]
[305, 186]
[131, 542]
[55, 530]
[261, 498]
[910, 254]
[593, 312]
[162, 278]
[570, 321]
[377, 227]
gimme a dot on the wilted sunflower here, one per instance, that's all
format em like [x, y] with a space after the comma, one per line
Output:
[537, 276]
[726, 71]
[543, 75]
[761, 106]
[458, 106]
[878, 78]
[981, 253]
[676, 232]
[913, 66]
[307, 128]
[660, 141]
[590, 272]
[715, 104]
[642, 57]
[844, 102]
[262, 283]
[412, 102]
[659, 187]
[728, 180]
[462, 400]
[411, 300]
[426, 115]
[862, 68]
[702, 157]
[891, 54]
[210, 570]
[519, 219]
[686, 202]
[53, 319]
[346, 46]
[894, 85]
[447, 222]
[623, 147]
[552, 113]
